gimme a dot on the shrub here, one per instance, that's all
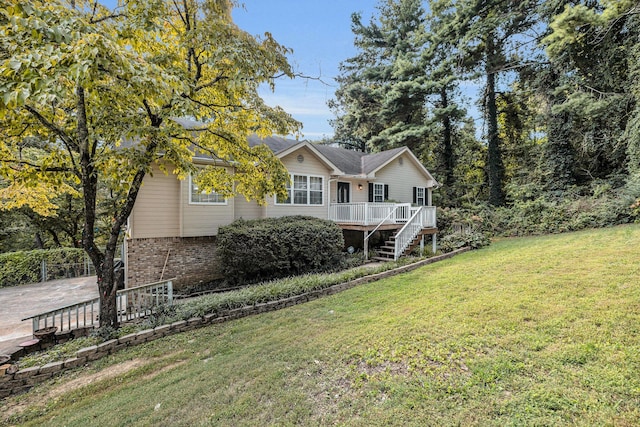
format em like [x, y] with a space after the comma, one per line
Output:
[264, 249]
[458, 228]
[18, 268]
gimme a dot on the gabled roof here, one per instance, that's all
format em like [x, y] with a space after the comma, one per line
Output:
[349, 161]
[282, 147]
[371, 163]
[343, 162]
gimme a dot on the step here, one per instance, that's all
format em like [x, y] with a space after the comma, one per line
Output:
[383, 259]
[386, 254]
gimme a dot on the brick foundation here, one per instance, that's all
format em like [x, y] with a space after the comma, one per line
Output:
[191, 260]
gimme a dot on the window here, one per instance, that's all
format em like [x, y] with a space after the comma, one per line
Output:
[198, 197]
[420, 196]
[306, 190]
[378, 192]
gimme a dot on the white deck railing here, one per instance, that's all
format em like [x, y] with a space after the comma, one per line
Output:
[131, 303]
[369, 213]
[422, 217]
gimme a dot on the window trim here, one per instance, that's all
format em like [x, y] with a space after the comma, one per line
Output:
[372, 192]
[378, 186]
[291, 189]
[425, 197]
[191, 202]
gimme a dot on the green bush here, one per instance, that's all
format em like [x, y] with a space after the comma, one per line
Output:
[458, 228]
[262, 293]
[602, 206]
[19, 268]
[263, 249]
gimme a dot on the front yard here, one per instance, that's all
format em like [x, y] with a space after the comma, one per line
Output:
[532, 331]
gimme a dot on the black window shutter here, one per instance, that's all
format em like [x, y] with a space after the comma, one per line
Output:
[386, 192]
[370, 192]
[415, 195]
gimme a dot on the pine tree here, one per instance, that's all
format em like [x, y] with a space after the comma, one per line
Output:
[380, 103]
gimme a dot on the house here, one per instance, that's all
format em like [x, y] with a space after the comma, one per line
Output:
[172, 229]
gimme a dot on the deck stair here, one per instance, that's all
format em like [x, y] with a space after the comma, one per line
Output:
[420, 221]
[387, 251]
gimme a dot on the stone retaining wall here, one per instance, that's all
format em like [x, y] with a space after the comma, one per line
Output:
[14, 382]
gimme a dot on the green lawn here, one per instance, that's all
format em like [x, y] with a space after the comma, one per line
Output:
[530, 331]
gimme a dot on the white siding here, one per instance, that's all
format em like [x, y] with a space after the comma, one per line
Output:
[157, 211]
[247, 210]
[310, 165]
[202, 219]
[401, 178]
[357, 195]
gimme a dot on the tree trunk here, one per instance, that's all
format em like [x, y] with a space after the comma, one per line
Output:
[39, 242]
[447, 145]
[495, 167]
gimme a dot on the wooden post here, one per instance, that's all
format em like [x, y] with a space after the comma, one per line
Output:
[433, 243]
[421, 245]
[366, 246]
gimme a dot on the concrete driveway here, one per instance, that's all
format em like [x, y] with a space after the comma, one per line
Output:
[18, 302]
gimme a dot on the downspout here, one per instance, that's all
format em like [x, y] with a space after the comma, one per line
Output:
[125, 251]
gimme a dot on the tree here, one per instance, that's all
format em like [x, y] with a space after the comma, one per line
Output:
[439, 60]
[102, 93]
[595, 45]
[483, 31]
[380, 103]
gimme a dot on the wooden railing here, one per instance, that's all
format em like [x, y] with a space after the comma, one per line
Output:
[369, 213]
[422, 217]
[131, 303]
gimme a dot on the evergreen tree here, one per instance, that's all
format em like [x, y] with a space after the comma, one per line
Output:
[380, 103]
[439, 59]
[484, 30]
[595, 44]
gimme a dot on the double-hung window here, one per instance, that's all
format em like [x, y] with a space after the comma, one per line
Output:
[199, 197]
[420, 196]
[303, 190]
[378, 192]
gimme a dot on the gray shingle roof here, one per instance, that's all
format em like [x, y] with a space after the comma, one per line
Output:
[371, 162]
[348, 161]
[277, 144]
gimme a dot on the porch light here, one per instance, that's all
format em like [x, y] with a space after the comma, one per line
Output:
[359, 186]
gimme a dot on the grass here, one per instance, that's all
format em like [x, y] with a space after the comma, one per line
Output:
[529, 331]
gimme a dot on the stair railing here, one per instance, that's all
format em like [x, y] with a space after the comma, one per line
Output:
[366, 238]
[410, 230]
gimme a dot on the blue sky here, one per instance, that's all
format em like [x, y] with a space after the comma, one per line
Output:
[319, 32]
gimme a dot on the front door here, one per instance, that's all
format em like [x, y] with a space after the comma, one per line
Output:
[344, 189]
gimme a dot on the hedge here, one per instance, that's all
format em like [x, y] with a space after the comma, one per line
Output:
[264, 249]
[19, 268]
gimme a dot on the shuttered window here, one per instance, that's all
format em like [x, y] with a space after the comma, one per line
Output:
[378, 192]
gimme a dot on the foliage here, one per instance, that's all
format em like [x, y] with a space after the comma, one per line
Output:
[458, 228]
[58, 352]
[264, 292]
[92, 98]
[19, 268]
[519, 333]
[380, 101]
[256, 250]
[604, 207]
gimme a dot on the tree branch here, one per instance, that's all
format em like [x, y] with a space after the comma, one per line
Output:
[52, 127]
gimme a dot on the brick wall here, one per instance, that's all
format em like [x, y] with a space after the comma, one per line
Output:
[191, 260]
